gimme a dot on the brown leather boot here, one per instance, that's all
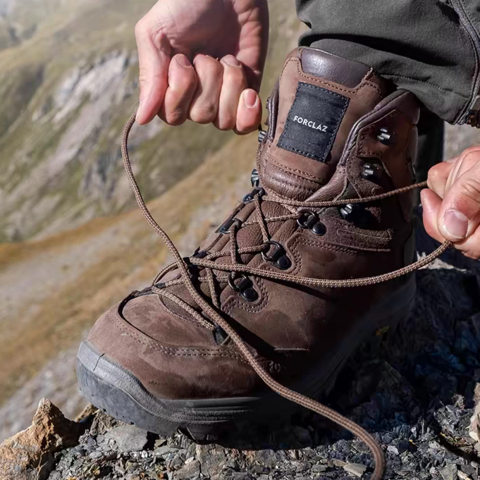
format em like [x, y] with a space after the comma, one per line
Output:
[274, 287]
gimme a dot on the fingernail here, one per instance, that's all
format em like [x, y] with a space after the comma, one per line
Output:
[140, 109]
[183, 61]
[455, 224]
[231, 60]
[250, 98]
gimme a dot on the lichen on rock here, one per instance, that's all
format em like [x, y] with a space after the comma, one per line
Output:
[28, 455]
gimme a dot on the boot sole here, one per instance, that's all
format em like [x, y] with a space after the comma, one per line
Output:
[120, 394]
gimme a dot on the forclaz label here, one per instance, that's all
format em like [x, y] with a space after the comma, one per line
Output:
[310, 123]
[313, 121]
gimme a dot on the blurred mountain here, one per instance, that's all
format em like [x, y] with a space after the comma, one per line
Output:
[19, 20]
[68, 82]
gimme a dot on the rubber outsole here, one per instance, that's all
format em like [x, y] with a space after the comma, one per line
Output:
[119, 393]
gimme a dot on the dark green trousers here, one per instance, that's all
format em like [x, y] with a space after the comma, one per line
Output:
[430, 47]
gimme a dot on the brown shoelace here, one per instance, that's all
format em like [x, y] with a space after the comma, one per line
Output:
[210, 265]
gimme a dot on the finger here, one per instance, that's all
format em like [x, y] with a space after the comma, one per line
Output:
[459, 215]
[204, 107]
[465, 161]
[438, 177]
[249, 114]
[471, 246]
[182, 84]
[154, 59]
[234, 82]
[253, 43]
[431, 203]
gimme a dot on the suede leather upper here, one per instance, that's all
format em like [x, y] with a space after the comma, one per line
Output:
[287, 326]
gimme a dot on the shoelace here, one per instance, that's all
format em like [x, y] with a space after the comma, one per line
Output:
[217, 318]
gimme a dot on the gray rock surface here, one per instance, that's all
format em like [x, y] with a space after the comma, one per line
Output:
[127, 438]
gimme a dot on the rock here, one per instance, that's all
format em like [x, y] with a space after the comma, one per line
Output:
[258, 469]
[160, 442]
[239, 476]
[128, 438]
[86, 414]
[403, 446]
[356, 469]
[28, 455]
[96, 455]
[476, 322]
[212, 459]
[190, 470]
[475, 420]
[165, 450]
[102, 423]
[393, 449]
[177, 460]
[463, 476]
[449, 472]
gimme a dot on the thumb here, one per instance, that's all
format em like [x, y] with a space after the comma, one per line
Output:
[154, 59]
[459, 215]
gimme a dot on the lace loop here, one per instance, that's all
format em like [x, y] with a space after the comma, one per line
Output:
[276, 255]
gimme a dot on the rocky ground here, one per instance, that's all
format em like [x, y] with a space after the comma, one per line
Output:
[416, 393]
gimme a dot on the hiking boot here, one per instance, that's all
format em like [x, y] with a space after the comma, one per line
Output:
[280, 284]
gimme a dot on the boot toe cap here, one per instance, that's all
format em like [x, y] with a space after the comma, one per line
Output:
[134, 336]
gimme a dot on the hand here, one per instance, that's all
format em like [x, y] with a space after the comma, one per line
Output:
[451, 205]
[176, 33]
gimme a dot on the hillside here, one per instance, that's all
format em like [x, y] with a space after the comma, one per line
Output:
[67, 84]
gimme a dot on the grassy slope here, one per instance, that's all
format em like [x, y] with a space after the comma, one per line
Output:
[57, 318]
[31, 73]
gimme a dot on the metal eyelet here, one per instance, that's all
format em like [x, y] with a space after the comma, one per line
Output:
[351, 212]
[278, 256]
[309, 220]
[319, 229]
[225, 228]
[371, 171]
[250, 196]
[199, 253]
[385, 136]
[244, 287]
[255, 178]
[243, 281]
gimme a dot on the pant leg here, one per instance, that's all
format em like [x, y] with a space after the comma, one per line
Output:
[430, 47]
[431, 130]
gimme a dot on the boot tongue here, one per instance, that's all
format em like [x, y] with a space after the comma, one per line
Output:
[315, 104]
